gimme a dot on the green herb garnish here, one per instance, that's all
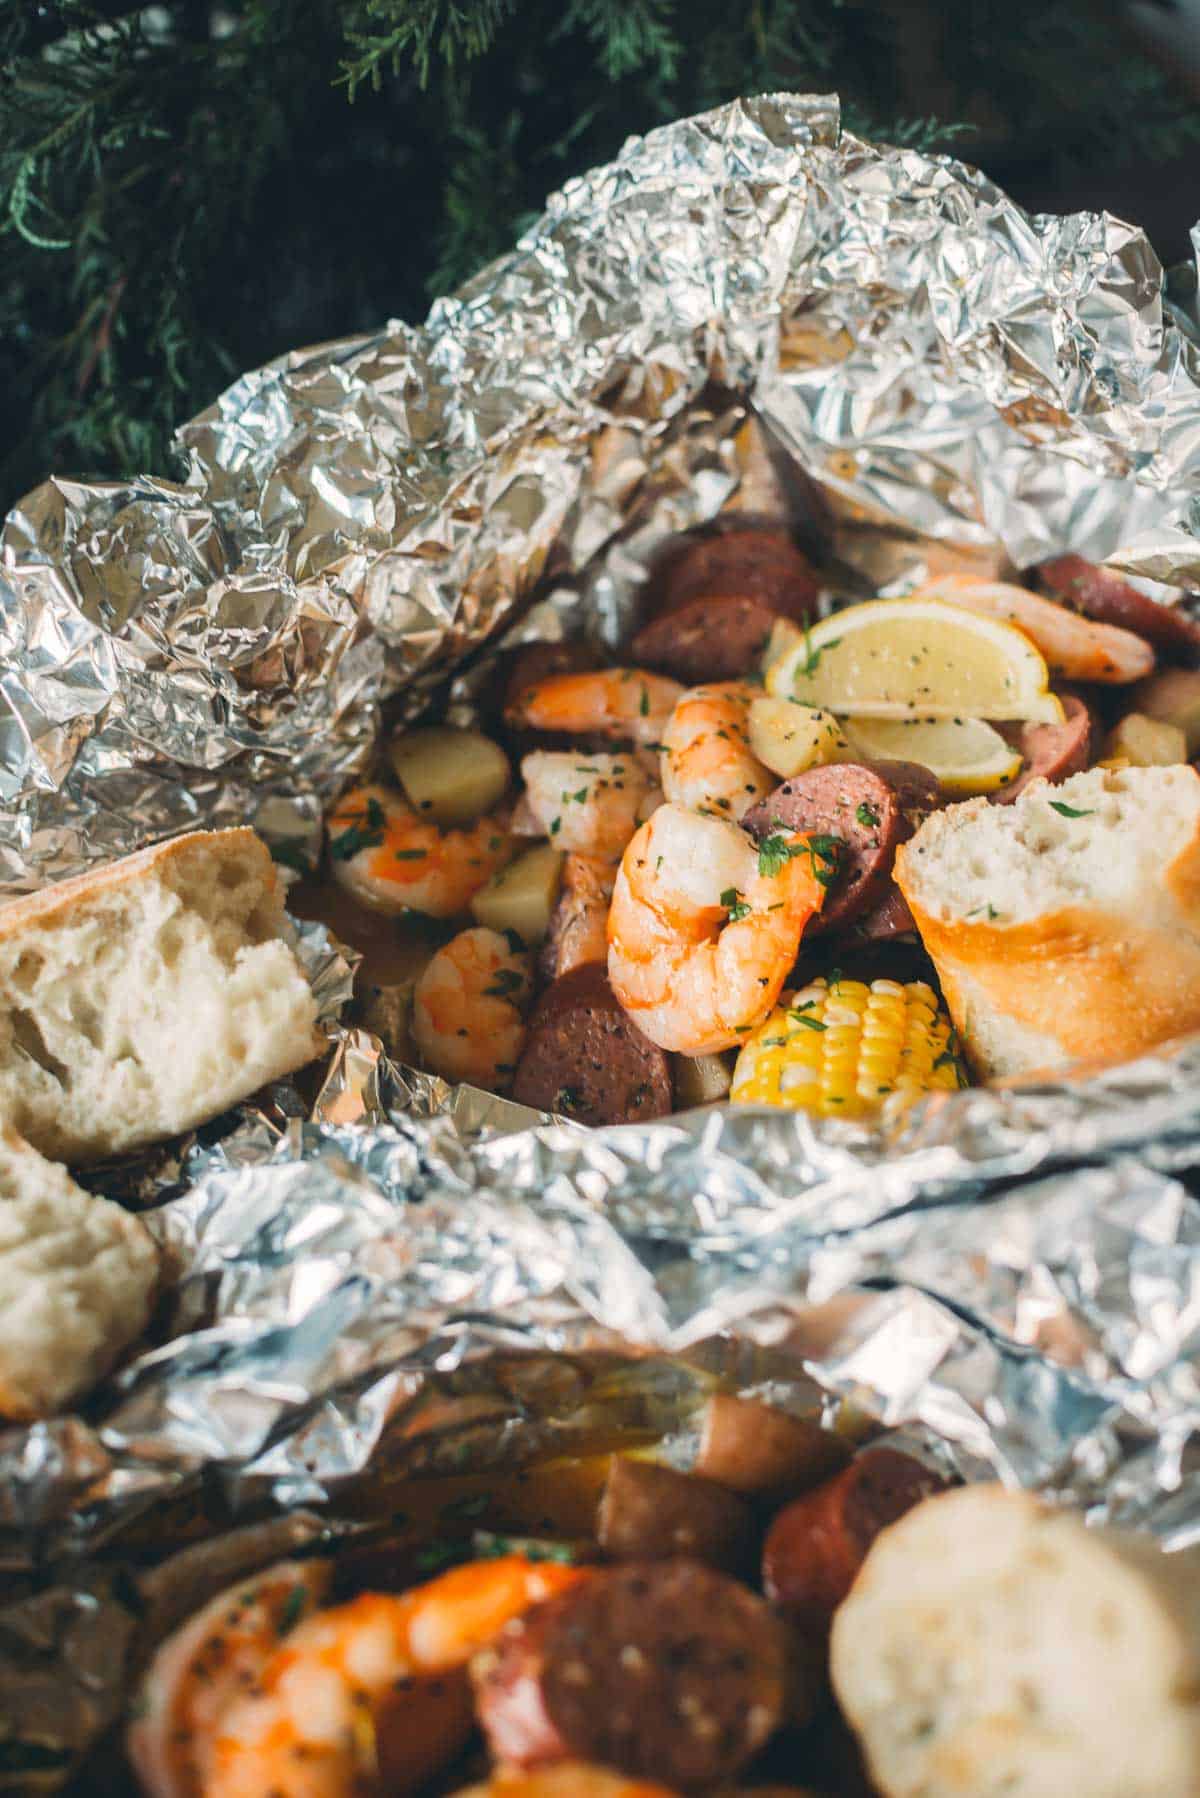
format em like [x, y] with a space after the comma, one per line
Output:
[1067, 811]
[365, 831]
[735, 905]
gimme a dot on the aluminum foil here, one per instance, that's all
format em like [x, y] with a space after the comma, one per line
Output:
[747, 310]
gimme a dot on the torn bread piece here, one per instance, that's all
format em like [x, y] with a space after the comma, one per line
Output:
[148, 996]
[1064, 927]
[993, 1646]
[77, 1281]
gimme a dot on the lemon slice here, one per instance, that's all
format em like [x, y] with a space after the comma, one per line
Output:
[965, 754]
[896, 658]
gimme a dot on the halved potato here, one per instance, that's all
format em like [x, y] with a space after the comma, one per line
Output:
[449, 776]
[1173, 697]
[523, 895]
[1146, 742]
[701, 1080]
[788, 737]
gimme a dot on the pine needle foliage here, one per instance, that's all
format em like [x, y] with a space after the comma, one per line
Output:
[189, 188]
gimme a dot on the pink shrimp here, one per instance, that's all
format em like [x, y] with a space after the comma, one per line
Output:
[467, 1008]
[1075, 647]
[394, 861]
[566, 1779]
[311, 1728]
[704, 927]
[585, 804]
[626, 704]
[707, 762]
[206, 1665]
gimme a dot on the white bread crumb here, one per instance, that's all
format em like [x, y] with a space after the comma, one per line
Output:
[142, 999]
[993, 1646]
[77, 1278]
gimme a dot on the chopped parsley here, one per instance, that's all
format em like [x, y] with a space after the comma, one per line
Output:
[411, 855]
[801, 1017]
[825, 856]
[644, 706]
[568, 1099]
[735, 905]
[989, 908]
[867, 816]
[507, 981]
[365, 831]
[293, 1609]
[773, 851]
[812, 657]
[1067, 811]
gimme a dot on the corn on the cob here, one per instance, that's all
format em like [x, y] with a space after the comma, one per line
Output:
[845, 1049]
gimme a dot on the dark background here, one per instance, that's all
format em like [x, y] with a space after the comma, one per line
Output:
[191, 189]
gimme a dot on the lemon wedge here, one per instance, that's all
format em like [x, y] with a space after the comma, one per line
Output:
[965, 754]
[900, 658]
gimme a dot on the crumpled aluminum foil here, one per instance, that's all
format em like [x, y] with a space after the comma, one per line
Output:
[415, 1277]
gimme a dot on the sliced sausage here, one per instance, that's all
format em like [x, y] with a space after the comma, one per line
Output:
[762, 1451]
[869, 808]
[816, 1545]
[661, 1669]
[709, 604]
[650, 1513]
[746, 561]
[586, 1058]
[579, 920]
[707, 639]
[890, 918]
[522, 668]
[1051, 752]
[1104, 595]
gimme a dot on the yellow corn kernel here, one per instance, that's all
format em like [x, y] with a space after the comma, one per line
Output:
[850, 1050]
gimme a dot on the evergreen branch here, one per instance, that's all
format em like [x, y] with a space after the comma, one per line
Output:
[417, 31]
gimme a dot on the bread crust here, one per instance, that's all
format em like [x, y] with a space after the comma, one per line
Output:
[51, 904]
[1080, 983]
[139, 999]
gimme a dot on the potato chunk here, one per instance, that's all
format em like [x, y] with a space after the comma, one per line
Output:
[522, 896]
[788, 737]
[1143, 742]
[1173, 697]
[701, 1079]
[449, 776]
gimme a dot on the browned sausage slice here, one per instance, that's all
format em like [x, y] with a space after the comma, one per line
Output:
[710, 603]
[747, 563]
[662, 1669]
[707, 639]
[650, 1513]
[1104, 595]
[758, 1449]
[890, 918]
[586, 1058]
[1051, 752]
[579, 921]
[815, 1547]
[869, 808]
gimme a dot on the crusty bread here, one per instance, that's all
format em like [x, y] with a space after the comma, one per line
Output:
[146, 997]
[1064, 935]
[77, 1278]
[991, 1645]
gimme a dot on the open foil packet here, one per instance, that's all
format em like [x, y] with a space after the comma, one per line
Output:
[404, 1278]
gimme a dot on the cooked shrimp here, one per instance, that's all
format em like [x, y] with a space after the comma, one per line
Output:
[391, 859]
[704, 927]
[579, 931]
[585, 804]
[566, 1779]
[707, 762]
[311, 1727]
[1073, 646]
[467, 1008]
[625, 703]
[208, 1664]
